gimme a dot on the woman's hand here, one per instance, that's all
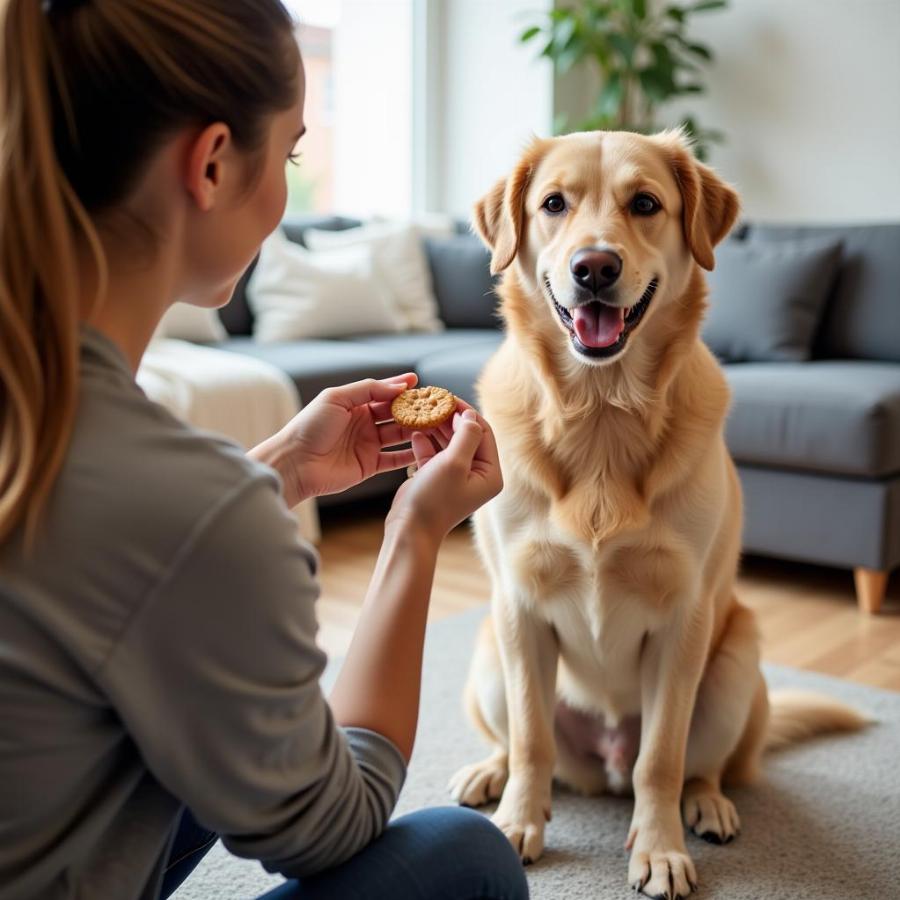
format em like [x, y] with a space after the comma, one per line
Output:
[458, 471]
[339, 440]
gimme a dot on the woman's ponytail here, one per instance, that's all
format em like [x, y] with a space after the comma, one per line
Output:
[40, 223]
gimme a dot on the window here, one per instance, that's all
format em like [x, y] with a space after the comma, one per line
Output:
[311, 183]
[357, 151]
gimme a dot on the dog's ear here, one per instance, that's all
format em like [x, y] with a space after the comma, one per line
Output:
[710, 206]
[499, 216]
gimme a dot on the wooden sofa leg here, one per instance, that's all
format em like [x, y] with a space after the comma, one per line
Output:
[870, 587]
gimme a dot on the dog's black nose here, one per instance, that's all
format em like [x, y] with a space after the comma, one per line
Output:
[595, 269]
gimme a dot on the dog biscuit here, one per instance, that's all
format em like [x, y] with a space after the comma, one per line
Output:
[424, 407]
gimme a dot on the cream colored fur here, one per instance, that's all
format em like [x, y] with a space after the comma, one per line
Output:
[613, 548]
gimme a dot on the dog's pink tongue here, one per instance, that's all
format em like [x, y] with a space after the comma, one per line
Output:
[599, 325]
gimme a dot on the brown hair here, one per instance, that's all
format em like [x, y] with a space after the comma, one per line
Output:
[88, 92]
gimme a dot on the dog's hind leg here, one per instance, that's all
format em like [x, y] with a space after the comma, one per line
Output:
[726, 719]
[485, 702]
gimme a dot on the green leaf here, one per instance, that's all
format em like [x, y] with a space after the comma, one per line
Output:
[640, 9]
[663, 56]
[610, 98]
[597, 123]
[625, 46]
[564, 31]
[529, 33]
[686, 64]
[699, 50]
[597, 16]
[566, 59]
[691, 89]
[707, 6]
[676, 13]
[657, 84]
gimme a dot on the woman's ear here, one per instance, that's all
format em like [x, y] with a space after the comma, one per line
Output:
[499, 216]
[710, 206]
[207, 165]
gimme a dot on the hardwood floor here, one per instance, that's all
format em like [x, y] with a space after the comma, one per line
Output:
[808, 614]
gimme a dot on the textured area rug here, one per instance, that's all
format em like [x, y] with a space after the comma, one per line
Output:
[824, 824]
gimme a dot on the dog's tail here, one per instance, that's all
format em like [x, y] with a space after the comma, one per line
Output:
[798, 715]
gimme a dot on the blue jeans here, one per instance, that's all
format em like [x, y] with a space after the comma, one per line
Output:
[445, 853]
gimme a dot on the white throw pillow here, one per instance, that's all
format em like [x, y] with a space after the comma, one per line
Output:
[296, 294]
[186, 322]
[400, 261]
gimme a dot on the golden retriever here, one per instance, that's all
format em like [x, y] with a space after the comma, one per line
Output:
[616, 656]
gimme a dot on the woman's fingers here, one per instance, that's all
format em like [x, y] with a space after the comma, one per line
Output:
[390, 434]
[390, 460]
[423, 449]
[467, 436]
[487, 450]
[370, 391]
[381, 411]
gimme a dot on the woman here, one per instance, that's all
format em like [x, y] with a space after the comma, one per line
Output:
[157, 630]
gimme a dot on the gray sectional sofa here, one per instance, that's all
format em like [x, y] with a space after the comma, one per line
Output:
[817, 442]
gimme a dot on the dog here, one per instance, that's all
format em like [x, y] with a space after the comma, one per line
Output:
[616, 656]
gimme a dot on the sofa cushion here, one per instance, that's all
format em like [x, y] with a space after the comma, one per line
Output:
[296, 294]
[862, 317]
[400, 261]
[766, 300]
[837, 416]
[236, 316]
[458, 370]
[462, 280]
[408, 350]
[316, 365]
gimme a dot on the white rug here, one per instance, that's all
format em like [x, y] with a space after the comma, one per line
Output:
[824, 825]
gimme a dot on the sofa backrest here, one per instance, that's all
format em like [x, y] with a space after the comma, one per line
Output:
[463, 284]
[862, 316]
[460, 274]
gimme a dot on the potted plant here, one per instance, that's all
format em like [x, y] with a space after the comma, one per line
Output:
[642, 53]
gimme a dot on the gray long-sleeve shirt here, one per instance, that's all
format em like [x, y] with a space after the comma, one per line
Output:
[157, 649]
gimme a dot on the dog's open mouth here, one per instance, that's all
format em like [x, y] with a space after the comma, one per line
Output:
[599, 329]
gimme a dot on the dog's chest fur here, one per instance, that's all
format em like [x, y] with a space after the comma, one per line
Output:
[576, 535]
[574, 586]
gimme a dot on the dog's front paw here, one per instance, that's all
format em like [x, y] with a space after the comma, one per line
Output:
[521, 816]
[709, 813]
[481, 782]
[659, 866]
[662, 874]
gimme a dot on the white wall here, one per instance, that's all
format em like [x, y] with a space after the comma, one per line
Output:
[373, 67]
[808, 94]
[491, 96]
[434, 101]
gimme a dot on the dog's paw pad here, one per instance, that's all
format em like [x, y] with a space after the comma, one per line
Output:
[479, 783]
[712, 817]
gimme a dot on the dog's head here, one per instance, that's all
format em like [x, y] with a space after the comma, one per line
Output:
[605, 229]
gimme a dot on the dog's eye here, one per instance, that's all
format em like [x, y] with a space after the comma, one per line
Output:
[554, 204]
[645, 205]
